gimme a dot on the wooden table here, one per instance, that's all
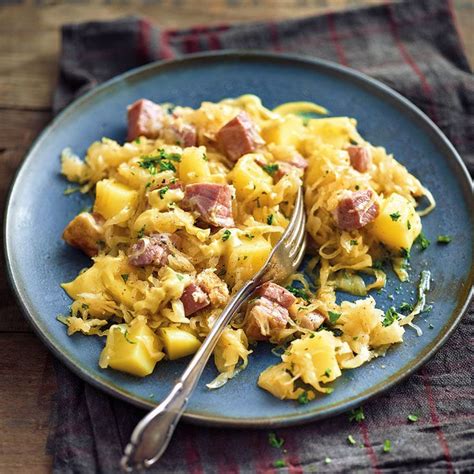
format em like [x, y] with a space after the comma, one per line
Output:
[29, 46]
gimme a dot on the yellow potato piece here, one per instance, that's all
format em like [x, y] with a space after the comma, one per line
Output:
[112, 197]
[179, 343]
[133, 348]
[397, 224]
[286, 131]
[248, 177]
[245, 260]
[193, 167]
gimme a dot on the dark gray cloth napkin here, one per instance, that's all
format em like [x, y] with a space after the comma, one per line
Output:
[413, 47]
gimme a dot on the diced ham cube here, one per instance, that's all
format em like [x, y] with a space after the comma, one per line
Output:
[263, 317]
[150, 250]
[356, 210]
[85, 232]
[312, 321]
[181, 134]
[194, 299]
[212, 201]
[238, 137]
[298, 161]
[276, 293]
[360, 157]
[145, 118]
[215, 288]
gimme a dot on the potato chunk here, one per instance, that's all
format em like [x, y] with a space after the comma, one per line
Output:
[397, 224]
[286, 131]
[245, 260]
[133, 348]
[248, 177]
[179, 343]
[112, 197]
[193, 167]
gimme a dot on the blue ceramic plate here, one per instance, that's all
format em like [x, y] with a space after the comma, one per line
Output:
[38, 260]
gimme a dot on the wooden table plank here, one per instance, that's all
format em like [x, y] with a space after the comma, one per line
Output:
[27, 385]
[30, 38]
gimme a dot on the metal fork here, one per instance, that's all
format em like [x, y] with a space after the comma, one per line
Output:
[152, 435]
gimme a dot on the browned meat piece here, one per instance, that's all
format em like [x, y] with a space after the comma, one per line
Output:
[263, 317]
[85, 232]
[212, 201]
[356, 210]
[238, 137]
[276, 293]
[311, 321]
[194, 299]
[215, 288]
[360, 157]
[145, 118]
[150, 250]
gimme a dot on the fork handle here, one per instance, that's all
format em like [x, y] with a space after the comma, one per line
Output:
[150, 438]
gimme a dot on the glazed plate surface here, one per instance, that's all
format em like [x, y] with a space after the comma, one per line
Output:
[37, 212]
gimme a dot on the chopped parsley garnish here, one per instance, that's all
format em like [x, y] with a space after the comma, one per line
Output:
[124, 277]
[303, 398]
[351, 440]
[85, 306]
[337, 332]
[226, 235]
[354, 242]
[405, 253]
[333, 317]
[205, 158]
[408, 225]
[422, 241]
[271, 169]
[274, 441]
[357, 415]
[406, 307]
[163, 191]
[327, 373]
[250, 236]
[147, 185]
[387, 446]
[357, 187]
[180, 277]
[443, 239]
[328, 460]
[160, 162]
[270, 219]
[141, 232]
[352, 141]
[279, 463]
[125, 335]
[413, 418]
[378, 264]
[395, 216]
[137, 141]
[390, 317]
[298, 292]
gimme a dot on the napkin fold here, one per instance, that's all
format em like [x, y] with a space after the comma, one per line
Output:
[413, 47]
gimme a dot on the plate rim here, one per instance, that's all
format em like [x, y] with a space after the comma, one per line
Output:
[394, 98]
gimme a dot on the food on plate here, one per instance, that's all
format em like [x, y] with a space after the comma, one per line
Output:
[190, 207]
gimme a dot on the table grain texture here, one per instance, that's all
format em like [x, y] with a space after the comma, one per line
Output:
[29, 47]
